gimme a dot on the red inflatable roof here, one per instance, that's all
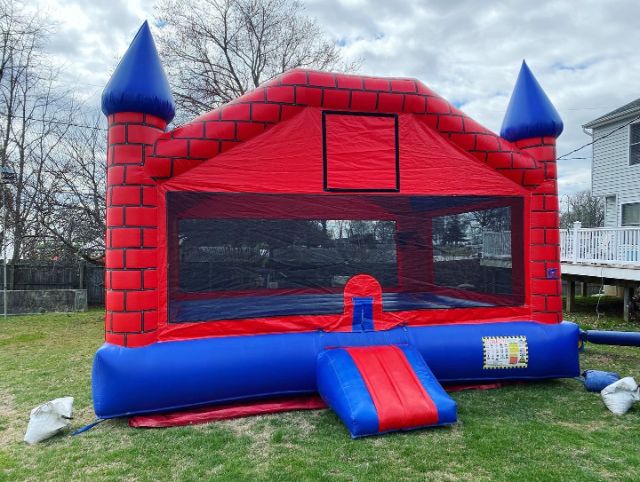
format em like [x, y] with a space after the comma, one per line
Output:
[291, 93]
[288, 154]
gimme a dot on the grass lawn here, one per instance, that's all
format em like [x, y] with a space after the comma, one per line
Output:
[551, 430]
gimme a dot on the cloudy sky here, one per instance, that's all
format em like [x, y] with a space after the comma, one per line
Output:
[585, 54]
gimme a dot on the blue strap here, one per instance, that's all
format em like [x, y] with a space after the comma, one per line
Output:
[362, 314]
[87, 427]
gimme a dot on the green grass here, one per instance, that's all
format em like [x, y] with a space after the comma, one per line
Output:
[540, 431]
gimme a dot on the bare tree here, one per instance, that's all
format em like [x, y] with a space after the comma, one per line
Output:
[583, 207]
[493, 219]
[20, 37]
[71, 210]
[35, 118]
[40, 132]
[216, 50]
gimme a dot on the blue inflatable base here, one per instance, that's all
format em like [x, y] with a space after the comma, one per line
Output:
[176, 375]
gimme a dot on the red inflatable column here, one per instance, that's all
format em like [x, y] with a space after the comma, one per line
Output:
[131, 240]
[546, 287]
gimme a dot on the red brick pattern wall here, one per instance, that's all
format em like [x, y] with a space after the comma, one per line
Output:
[139, 151]
[131, 260]
[546, 292]
[283, 97]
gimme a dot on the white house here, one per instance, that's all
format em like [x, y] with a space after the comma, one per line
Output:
[615, 174]
[611, 254]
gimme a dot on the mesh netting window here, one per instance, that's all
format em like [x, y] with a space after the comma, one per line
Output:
[263, 254]
[478, 244]
[234, 256]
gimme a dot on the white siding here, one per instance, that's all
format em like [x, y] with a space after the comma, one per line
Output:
[611, 173]
[610, 212]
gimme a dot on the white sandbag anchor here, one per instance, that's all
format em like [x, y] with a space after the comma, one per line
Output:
[48, 419]
[619, 396]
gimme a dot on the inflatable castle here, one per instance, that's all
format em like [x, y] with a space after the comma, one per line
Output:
[357, 237]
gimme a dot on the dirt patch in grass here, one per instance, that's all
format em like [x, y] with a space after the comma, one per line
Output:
[590, 426]
[13, 423]
[260, 433]
[449, 476]
[248, 427]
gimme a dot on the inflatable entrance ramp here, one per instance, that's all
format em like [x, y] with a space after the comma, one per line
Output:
[378, 389]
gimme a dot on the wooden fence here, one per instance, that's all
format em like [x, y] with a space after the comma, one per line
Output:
[28, 275]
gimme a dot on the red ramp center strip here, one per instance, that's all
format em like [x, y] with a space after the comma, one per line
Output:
[400, 399]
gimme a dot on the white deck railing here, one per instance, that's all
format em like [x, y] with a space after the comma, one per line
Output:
[619, 246]
[496, 244]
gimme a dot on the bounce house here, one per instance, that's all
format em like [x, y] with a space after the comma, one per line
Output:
[357, 237]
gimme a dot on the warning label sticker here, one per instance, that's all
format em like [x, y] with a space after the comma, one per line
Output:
[505, 352]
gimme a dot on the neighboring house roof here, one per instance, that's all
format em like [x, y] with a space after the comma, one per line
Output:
[530, 112]
[627, 110]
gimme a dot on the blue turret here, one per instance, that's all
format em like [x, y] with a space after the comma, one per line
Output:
[530, 112]
[139, 83]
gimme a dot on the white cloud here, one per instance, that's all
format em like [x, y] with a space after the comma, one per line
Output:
[89, 38]
[583, 54]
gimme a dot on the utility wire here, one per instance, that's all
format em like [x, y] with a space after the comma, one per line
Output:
[600, 138]
[54, 121]
[564, 156]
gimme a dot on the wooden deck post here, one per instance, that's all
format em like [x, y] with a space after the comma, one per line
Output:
[571, 295]
[628, 294]
[82, 272]
[584, 289]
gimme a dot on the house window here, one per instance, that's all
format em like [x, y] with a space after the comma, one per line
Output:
[631, 214]
[634, 144]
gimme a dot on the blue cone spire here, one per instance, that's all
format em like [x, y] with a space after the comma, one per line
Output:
[530, 112]
[139, 83]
